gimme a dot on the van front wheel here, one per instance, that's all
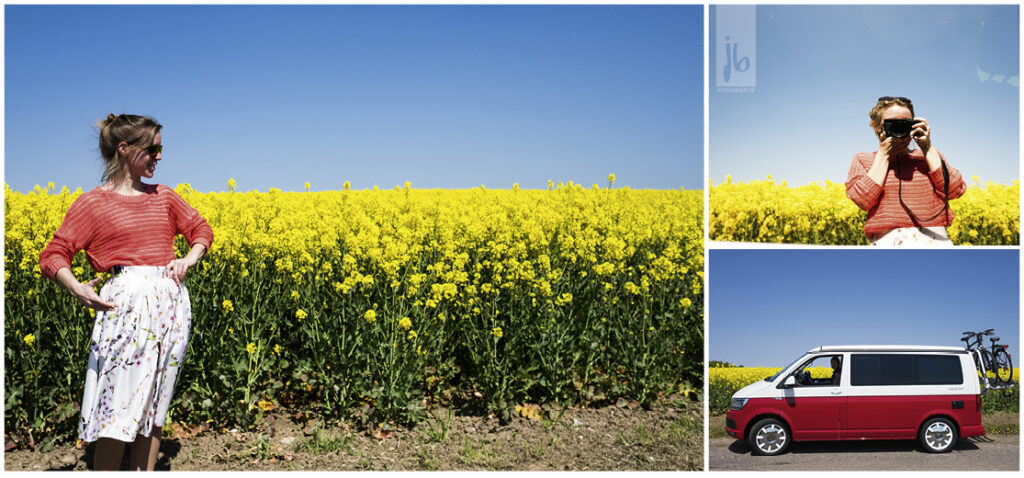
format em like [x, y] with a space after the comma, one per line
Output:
[769, 437]
[938, 435]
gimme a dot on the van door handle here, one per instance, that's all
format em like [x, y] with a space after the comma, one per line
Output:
[837, 392]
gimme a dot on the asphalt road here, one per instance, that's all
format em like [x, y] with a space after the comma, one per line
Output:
[994, 452]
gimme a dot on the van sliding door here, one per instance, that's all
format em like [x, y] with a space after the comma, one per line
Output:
[890, 394]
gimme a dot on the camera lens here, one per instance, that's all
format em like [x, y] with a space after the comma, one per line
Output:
[898, 128]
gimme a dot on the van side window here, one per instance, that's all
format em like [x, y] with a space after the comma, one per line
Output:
[939, 370]
[823, 370]
[905, 369]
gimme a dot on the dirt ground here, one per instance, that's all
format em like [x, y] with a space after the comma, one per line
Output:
[667, 437]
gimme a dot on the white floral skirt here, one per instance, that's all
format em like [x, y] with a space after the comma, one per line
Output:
[135, 354]
[912, 237]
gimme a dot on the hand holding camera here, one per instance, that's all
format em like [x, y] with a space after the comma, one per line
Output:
[890, 146]
[906, 129]
[922, 134]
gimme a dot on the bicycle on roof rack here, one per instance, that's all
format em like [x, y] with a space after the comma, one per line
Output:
[994, 359]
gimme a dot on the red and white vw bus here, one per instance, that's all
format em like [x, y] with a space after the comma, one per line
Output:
[932, 394]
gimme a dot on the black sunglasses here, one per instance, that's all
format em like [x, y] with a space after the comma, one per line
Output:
[155, 149]
[894, 98]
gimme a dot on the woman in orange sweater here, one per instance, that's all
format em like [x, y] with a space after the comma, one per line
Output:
[904, 191]
[143, 314]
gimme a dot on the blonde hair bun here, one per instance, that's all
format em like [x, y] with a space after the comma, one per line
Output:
[136, 130]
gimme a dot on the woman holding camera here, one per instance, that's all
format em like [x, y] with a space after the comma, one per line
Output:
[905, 192]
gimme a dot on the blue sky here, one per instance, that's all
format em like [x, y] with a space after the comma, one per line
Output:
[769, 306]
[442, 96]
[820, 69]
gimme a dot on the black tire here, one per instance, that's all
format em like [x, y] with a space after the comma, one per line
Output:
[769, 437]
[1002, 366]
[938, 435]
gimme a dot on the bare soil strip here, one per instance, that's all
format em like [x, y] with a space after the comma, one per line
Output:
[610, 438]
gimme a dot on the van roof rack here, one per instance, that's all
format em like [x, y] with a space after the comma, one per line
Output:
[887, 348]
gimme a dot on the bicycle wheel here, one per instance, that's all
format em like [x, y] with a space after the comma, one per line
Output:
[1002, 366]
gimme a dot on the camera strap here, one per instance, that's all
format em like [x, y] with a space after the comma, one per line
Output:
[945, 196]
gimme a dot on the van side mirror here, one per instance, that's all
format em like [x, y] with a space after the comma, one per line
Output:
[790, 381]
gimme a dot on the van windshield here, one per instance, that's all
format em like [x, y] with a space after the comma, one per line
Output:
[773, 377]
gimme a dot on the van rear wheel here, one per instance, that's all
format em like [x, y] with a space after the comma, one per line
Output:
[769, 437]
[938, 435]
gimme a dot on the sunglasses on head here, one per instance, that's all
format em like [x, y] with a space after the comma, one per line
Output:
[894, 98]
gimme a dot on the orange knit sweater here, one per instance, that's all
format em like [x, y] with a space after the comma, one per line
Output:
[922, 192]
[115, 229]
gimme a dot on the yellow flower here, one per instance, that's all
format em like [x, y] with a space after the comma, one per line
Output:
[685, 302]
[30, 340]
[447, 256]
[307, 185]
[265, 405]
[251, 348]
[347, 186]
[770, 211]
[232, 184]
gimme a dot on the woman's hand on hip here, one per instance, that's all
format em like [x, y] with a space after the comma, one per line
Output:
[177, 269]
[86, 294]
[922, 133]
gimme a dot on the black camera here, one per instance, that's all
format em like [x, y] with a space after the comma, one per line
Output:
[898, 128]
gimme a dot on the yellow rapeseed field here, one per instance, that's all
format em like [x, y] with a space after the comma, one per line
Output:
[820, 213]
[376, 303]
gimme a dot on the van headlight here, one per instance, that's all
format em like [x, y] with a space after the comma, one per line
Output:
[738, 403]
